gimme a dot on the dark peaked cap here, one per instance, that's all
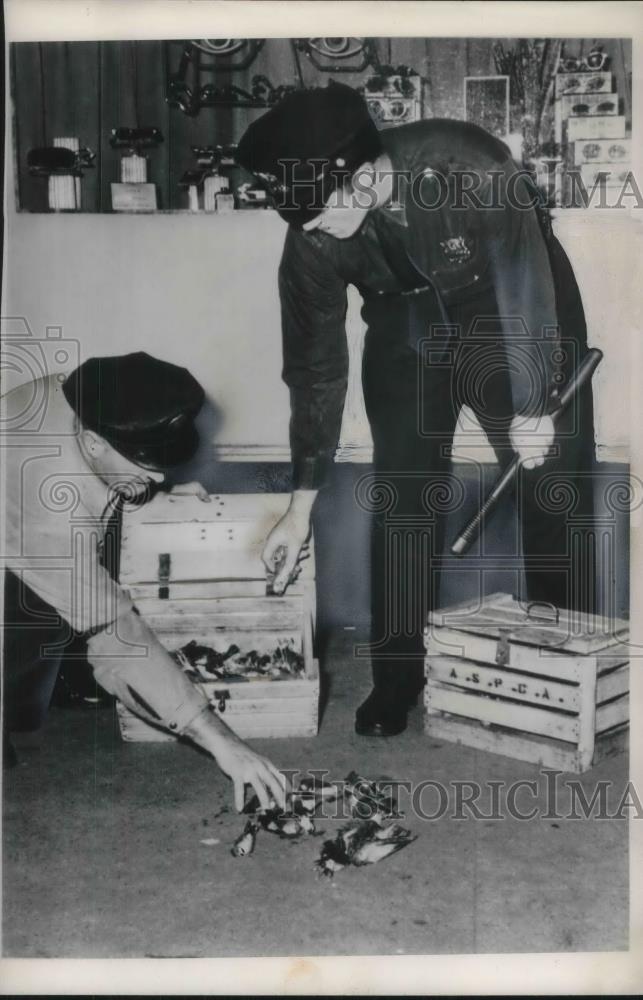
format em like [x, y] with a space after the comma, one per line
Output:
[143, 407]
[324, 123]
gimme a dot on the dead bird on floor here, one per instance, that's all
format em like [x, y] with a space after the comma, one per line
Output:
[362, 842]
[288, 823]
[245, 844]
[368, 799]
[288, 827]
[304, 800]
[310, 794]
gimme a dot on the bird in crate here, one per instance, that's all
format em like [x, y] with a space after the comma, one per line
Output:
[203, 662]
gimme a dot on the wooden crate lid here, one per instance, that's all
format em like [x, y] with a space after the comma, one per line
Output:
[531, 624]
[220, 540]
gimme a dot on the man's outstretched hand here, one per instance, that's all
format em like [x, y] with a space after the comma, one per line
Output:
[235, 758]
[531, 438]
[287, 544]
[245, 767]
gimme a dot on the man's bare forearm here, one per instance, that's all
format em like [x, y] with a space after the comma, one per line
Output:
[209, 732]
[301, 503]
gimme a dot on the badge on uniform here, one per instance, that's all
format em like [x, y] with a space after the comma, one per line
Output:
[456, 249]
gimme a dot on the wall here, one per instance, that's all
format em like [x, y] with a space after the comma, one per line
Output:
[200, 292]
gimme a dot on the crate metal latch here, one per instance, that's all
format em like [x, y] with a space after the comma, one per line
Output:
[551, 615]
[164, 575]
[221, 697]
[502, 649]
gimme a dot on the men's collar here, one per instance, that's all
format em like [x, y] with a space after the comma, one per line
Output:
[396, 213]
[395, 210]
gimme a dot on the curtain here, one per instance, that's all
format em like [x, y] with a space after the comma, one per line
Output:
[84, 89]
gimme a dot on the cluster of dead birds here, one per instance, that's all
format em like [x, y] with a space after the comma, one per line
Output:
[204, 663]
[367, 838]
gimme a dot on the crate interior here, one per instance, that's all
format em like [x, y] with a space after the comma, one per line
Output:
[250, 625]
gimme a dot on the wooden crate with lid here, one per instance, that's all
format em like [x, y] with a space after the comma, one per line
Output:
[194, 572]
[528, 681]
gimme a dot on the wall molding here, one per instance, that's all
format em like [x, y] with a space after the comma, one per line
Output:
[363, 454]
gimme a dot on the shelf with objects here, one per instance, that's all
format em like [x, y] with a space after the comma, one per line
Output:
[167, 114]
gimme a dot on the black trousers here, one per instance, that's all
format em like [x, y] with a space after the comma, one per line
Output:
[34, 637]
[413, 394]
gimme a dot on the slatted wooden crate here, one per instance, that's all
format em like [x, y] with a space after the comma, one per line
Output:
[194, 571]
[528, 682]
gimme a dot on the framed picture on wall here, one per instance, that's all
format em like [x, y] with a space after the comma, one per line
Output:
[486, 103]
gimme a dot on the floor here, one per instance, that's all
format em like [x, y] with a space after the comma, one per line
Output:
[104, 853]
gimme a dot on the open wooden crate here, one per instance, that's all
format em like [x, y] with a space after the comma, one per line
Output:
[194, 571]
[530, 682]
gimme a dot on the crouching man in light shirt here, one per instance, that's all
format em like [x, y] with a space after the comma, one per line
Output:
[105, 434]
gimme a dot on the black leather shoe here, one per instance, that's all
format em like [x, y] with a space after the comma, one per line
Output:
[381, 715]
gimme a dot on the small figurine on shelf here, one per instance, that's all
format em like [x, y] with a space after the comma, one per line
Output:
[208, 178]
[62, 164]
[133, 193]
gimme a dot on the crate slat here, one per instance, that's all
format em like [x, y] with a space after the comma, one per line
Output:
[224, 606]
[522, 658]
[613, 684]
[547, 753]
[256, 722]
[295, 707]
[513, 716]
[216, 589]
[503, 683]
[614, 713]
[605, 662]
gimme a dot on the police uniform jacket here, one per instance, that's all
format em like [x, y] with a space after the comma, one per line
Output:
[464, 220]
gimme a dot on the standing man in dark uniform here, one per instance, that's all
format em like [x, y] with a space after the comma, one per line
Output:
[463, 285]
